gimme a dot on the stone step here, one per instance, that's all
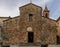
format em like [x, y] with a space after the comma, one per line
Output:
[36, 46]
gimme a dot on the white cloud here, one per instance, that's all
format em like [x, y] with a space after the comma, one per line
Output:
[56, 13]
[42, 2]
[47, 1]
[8, 9]
[8, 12]
[11, 8]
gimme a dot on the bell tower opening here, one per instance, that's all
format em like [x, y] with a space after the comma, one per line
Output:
[46, 15]
[46, 12]
[30, 37]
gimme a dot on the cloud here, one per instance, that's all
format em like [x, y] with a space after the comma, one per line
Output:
[56, 13]
[8, 8]
[42, 2]
[11, 7]
[47, 1]
[6, 11]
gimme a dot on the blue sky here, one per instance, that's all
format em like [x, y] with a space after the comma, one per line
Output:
[11, 7]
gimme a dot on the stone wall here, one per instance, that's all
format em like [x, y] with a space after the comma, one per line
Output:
[58, 28]
[34, 46]
[1, 27]
[15, 29]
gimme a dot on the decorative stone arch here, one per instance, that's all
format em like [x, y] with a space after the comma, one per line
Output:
[30, 35]
[29, 29]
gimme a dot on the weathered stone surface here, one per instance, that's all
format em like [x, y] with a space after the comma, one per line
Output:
[14, 46]
[53, 45]
[58, 27]
[1, 27]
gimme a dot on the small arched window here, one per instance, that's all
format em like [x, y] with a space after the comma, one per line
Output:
[30, 17]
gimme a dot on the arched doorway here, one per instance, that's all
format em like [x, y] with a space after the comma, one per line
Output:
[58, 40]
[30, 37]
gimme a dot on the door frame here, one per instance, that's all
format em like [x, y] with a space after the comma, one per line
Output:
[31, 35]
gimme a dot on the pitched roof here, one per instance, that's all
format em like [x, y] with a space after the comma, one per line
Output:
[36, 6]
[50, 19]
[4, 17]
[58, 19]
[30, 4]
[10, 18]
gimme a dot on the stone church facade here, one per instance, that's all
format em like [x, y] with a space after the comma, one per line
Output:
[30, 28]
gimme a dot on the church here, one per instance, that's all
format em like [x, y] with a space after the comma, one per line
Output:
[31, 28]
